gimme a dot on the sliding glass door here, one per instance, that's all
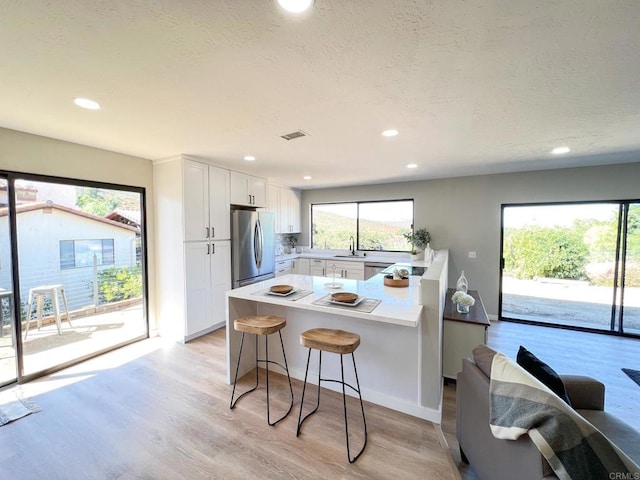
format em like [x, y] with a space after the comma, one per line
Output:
[574, 265]
[79, 268]
[8, 351]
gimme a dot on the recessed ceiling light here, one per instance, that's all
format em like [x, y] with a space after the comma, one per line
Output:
[390, 133]
[307, 177]
[560, 150]
[295, 6]
[249, 158]
[412, 165]
[86, 103]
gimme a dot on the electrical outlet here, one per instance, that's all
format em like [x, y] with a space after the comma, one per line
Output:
[472, 254]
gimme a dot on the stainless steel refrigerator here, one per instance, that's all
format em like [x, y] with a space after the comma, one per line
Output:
[252, 247]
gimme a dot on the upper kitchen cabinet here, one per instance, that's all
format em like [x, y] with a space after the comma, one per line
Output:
[289, 211]
[206, 202]
[285, 203]
[248, 190]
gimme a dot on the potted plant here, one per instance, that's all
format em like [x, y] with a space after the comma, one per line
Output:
[419, 239]
[291, 241]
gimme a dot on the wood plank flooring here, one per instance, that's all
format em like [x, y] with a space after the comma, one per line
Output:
[568, 352]
[161, 411]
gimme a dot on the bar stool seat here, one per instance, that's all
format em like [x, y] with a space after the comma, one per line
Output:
[342, 343]
[261, 325]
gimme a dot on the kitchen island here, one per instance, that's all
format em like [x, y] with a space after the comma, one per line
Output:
[398, 359]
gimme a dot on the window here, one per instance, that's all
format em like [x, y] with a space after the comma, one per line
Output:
[79, 253]
[379, 225]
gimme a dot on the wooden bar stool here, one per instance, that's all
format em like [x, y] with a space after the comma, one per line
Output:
[340, 342]
[263, 325]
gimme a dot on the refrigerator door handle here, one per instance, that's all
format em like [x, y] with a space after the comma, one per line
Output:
[260, 237]
[256, 245]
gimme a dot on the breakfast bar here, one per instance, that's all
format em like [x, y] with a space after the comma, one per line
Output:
[398, 358]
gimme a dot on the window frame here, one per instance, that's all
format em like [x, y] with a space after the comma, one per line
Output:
[356, 235]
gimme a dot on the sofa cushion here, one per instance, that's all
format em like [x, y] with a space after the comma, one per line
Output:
[542, 372]
[483, 357]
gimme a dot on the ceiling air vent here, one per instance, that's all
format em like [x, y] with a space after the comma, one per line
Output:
[293, 135]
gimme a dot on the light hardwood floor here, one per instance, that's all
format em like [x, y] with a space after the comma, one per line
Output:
[161, 411]
[568, 352]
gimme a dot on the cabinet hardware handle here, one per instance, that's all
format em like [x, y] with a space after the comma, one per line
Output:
[213, 248]
[207, 232]
[213, 232]
[208, 253]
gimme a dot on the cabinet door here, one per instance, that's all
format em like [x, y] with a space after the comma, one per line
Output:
[283, 207]
[240, 189]
[316, 271]
[302, 266]
[294, 211]
[258, 191]
[273, 204]
[220, 261]
[219, 210]
[354, 274]
[196, 200]
[198, 291]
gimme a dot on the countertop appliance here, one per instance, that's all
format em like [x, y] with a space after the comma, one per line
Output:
[419, 271]
[252, 247]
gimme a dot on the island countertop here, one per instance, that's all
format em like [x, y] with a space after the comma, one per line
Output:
[399, 306]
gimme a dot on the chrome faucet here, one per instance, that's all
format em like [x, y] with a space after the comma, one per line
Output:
[352, 246]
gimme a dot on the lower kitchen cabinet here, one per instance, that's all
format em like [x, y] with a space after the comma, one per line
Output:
[301, 266]
[283, 267]
[317, 267]
[207, 278]
[350, 270]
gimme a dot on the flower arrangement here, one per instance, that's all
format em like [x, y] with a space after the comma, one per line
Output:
[419, 238]
[463, 299]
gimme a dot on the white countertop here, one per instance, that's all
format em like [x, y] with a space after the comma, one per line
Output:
[371, 257]
[399, 306]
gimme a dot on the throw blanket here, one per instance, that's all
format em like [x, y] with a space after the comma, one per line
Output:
[575, 449]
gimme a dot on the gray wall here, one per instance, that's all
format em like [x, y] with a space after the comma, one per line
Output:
[463, 214]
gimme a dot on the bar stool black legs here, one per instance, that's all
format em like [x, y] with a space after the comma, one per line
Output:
[344, 384]
[261, 326]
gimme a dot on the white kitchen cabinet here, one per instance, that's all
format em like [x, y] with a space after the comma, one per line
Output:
[317, 267]
[193, 272]
[206, 202]
[208, 277]
[350, 270]
[301, 266]
[273, 203]
[285, 203]
[289, 207]
[283, 267]
[248, 190]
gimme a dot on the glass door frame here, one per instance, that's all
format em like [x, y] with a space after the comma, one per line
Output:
[617, 308]
[11, 177]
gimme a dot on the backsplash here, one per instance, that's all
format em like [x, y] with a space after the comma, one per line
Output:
[283, 245]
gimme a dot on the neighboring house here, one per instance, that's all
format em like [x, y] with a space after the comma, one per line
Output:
[58, 244]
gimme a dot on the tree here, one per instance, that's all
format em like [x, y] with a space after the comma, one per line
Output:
[96, 201]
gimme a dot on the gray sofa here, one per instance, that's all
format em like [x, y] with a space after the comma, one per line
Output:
[494, 459]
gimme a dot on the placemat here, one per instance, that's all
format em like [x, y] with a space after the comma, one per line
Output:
[297, 295]
[366, 306]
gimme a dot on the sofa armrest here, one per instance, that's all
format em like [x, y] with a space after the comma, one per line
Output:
[585, 393]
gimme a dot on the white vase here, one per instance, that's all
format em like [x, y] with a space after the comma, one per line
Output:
[462, 285]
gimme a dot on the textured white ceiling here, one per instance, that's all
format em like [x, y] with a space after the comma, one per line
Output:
[474, 86]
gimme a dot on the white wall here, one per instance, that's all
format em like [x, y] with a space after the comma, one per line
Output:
[463, 214]
[23, 152]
